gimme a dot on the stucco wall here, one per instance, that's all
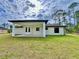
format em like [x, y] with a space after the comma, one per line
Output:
[33, 32]
[50, 31]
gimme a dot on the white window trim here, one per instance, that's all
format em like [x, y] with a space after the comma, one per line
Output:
[27, 30]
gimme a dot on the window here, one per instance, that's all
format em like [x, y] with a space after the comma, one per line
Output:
[46, 28]
[56, 30]
[37, 29]
[18, 26]
[27, 29]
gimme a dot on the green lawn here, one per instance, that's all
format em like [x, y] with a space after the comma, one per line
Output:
[51, 47]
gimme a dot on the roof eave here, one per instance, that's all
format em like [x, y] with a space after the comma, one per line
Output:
[28, 20]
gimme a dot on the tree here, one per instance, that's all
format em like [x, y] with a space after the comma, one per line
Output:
[60, 15]
[74, 4]
[64, 18]
[72, 7]
[77, 17]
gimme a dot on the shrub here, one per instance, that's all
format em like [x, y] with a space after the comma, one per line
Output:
[9, 30]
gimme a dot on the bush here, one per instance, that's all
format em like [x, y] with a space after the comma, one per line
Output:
[9, 30]
[71, 30]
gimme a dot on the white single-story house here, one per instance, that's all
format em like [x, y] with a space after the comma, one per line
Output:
[35, 28]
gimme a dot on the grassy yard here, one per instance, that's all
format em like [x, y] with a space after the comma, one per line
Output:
[52, 47]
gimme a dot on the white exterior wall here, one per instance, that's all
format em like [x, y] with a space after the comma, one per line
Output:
[13, 30]
[33, 32]
[50, 31]
[44, 30]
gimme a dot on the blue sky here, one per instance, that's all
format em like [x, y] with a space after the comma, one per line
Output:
[19, 9]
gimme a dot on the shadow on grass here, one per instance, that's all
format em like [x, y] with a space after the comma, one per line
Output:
[48, 38]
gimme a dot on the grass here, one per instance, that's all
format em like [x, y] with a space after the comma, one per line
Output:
[51, 47]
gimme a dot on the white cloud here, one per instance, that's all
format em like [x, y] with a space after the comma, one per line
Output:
[38, 6]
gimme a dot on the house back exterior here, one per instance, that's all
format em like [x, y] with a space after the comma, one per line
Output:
[35, 28]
